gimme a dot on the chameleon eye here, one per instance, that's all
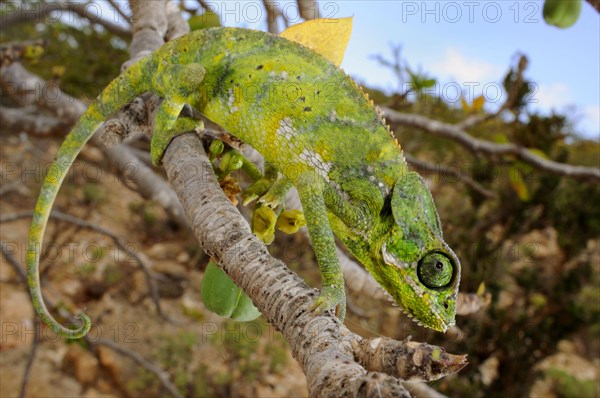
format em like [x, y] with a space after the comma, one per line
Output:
[435, 270]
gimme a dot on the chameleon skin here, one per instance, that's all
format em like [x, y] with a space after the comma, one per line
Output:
[313, 124]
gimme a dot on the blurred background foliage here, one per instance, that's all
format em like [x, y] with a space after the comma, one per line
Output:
[534, 242]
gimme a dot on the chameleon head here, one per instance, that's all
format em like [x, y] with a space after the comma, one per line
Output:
[420, 271]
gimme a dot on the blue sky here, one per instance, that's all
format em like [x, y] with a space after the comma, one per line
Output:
[468, 46]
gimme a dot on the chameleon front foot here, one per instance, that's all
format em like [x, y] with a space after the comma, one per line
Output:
[276, 194]
[331, 298]
[256, 190]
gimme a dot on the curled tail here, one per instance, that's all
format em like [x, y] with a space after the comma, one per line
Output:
[118, 93]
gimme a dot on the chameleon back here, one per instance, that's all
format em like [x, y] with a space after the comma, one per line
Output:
[296, 108]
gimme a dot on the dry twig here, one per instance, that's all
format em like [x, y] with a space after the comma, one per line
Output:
[457, 134]
[39, 11]
[140, 258]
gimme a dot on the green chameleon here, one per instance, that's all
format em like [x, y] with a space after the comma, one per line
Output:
[316, 127]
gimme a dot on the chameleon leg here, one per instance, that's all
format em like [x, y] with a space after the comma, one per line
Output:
[176, 94]
[167, 126]
[310, 189]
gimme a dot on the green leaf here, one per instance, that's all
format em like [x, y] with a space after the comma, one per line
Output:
[562, 13]
[517, 183]
[428, 83]
[223, 297]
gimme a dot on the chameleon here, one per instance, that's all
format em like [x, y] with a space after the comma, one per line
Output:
[313, 124]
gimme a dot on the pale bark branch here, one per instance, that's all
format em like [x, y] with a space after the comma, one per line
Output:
[273, 13]
[30, 120]
[29, 90]
[37, 12]
[427, 362]
[309, 9]
[325, 348]
[421, 390]
[457, 134]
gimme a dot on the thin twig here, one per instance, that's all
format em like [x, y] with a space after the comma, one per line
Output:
[11, 186]
[139, 257]
[31, 359]
[117, 7]
[457, 134]
[160, 373]
[441, 169]
[32, 12]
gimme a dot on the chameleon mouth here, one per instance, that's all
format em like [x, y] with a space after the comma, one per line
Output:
[444, 326]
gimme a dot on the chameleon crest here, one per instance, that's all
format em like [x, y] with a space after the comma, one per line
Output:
[318, 130]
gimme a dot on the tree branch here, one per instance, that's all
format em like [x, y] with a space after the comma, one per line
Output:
[37, 12]
[24, 88]
[31, 120]
[324, 348]
[457, 134]
[595, 4]
[441, 169]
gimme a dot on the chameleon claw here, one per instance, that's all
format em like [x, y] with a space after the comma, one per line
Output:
[275, 196]
[255, 191]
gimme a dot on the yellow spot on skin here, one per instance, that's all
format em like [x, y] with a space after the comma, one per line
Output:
[323, 150]
[218, 57]
[372, 156]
